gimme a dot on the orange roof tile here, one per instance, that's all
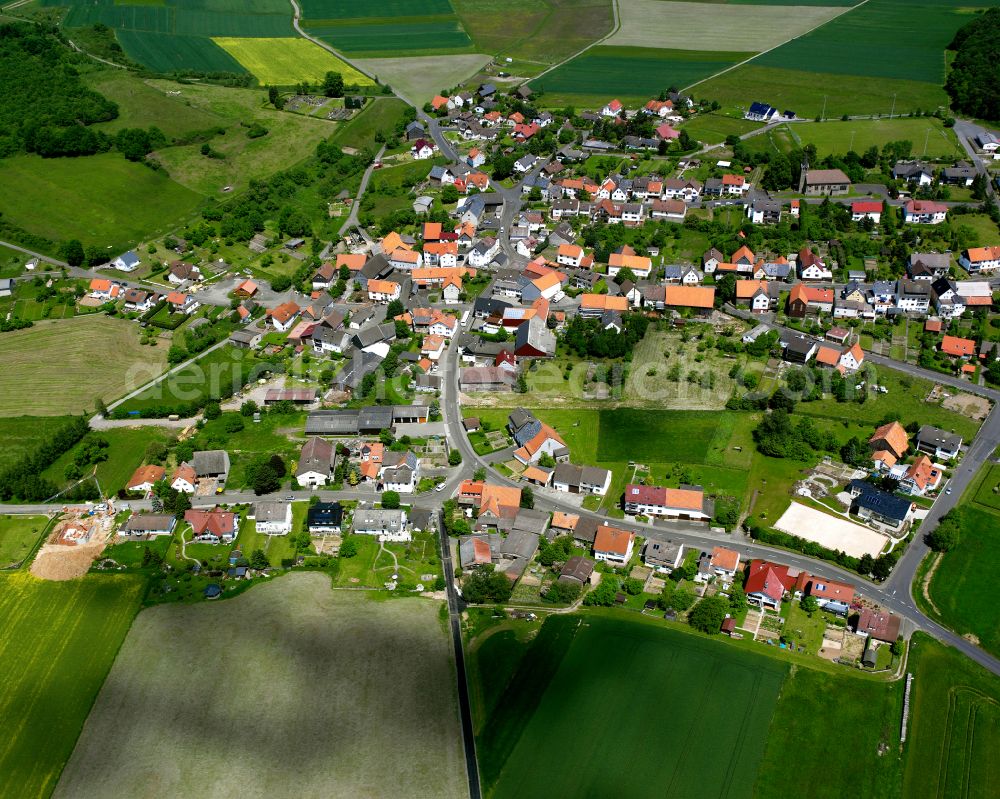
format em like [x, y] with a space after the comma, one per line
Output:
[690, 296]
[957, 347]
[611, 539]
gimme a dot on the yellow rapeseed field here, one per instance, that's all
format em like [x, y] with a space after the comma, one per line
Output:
[286, 61]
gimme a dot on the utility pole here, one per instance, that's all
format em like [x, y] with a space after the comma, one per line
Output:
[893, 109]
[822, 116]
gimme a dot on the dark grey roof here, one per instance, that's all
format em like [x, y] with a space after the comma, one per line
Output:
[531, 521]
[661, 553]
[882, 503]
[375, 417]
[325, 514]
[270, 511]
[576, 570]
[519, 544]
[354, 372]
[332, 423]
[940, 439]
[210, 462]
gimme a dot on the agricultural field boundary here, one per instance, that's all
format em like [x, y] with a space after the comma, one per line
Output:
[615, 27]
[782, 44]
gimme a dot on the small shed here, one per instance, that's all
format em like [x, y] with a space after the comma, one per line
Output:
[212, 591]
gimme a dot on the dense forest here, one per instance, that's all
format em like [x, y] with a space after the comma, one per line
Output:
[972, 82]
[46, 107]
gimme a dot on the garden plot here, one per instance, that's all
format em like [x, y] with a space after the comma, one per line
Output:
[830, 532]
[695, 26]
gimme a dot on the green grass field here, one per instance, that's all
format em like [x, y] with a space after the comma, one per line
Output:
[283, 62]
[811, 93]
[631, 73]
[59, 641]
[207, 378]
[141, 104]
[287, 691]
[55, 198]
[382, 114]
[395, 37]
[126, 450]
[170, 52]
[641, 435]
[51, 368]
[906, 396]
[845, 45]
[18, 537]
[960, 587]
[290, 139]
[954, 725]
[336, 9]
[585, 680]
[19, 434]
[815, 705]
[714, 128]
[834, 138]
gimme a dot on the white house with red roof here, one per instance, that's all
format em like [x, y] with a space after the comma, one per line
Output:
[422, 148]
[613, 545]
[686, 502]
[924, 212]
[866, 209]
[612, 109]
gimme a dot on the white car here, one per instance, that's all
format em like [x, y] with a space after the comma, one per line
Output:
[439, 487]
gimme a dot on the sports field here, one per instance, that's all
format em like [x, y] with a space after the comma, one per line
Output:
[685, 714]
[62, 367]
[714, 128]
[300, 691]
[59, 640]
[419, 78]
[832, 532]
[18, 537]
[632, 72]
[954, 728]
[58, 198]
[283, 62]
[690, 26]
[837, 138]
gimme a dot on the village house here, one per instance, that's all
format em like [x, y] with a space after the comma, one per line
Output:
[814, 182]
[272, 517]
[686, 502]
[573, 479]
[613, 546]
[145, 477]
[888, 444]
[924, 212]
[383, 524]
[315, 465]
[937, 442]
[215, 526]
